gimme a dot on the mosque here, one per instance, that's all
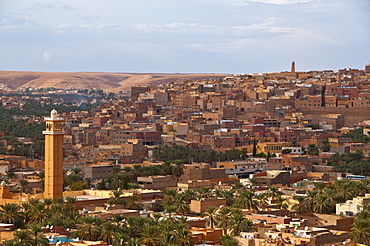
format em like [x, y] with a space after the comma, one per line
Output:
[53, 165]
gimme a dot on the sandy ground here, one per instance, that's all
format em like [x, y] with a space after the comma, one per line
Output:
[110, 82]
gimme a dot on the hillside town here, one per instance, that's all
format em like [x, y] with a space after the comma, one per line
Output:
[250, 159]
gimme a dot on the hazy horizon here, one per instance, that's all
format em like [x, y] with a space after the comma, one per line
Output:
[203, 36]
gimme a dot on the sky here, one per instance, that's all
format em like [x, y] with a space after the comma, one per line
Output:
[183, 36]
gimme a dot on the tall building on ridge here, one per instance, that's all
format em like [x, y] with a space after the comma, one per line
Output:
[292, 70]
[53, 156]
[367, 69]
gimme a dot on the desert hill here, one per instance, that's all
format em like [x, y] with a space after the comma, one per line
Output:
[110, 82]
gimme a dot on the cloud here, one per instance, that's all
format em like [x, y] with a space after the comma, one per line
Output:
[56, 5]
[248, 2]
[280, 1]
[46, 56]
[91, 17]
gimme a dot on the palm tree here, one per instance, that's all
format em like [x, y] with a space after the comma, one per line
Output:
[299, 206]
[360, 231]
[11, 213]
[312, 150]
[23, 238]
[39, 213]
[132, 203]
[170, 209]
[282, 202]
[204, 192]
[38, 239]
[227, 240]
[294, 143]
[89, 228]
[169, 197]
[246, 200]
[149, 235]
[238, 186]
[273, 193]
[325, 147]
[261, 199]
[88, 181]
[25, 188]
[323, 204]
[26, 211]
[237, 223]
[107, 232]
[134, 241]
[58, 200]
[48, 202]
[189, 195]
[211, 216]
[177, 169]
[116, 198]
[320, 186]
[136, 225]
[41, 177]
[223, 218]
[183, 237]
[10, 175]
[70, 203]
[229, 196]
[167, 238]
[253, 182]
[120, 239]
[310, 200]
[181, 204]
[10, 243]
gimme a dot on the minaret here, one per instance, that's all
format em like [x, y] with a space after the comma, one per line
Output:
[292, 70]
[53, 156]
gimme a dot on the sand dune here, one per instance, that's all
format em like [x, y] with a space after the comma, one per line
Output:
[110, 82]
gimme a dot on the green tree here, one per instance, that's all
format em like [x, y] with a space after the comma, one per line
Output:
[246, 200]
[24, 186]
[312, 149]
[238, 223]
[177, 170]
[41, 178]
[116, 198]
[273, 193]
[299, 205]
[10, 213]
[107, 232]
[89, 228]
[37, 235]
[23, 238]
[79, 185]
[211, 216]
[254, 151]
[181, 204]
[223, 218]
[149, 235]
[10, 175]
[360, 231]
[183, 237]
[325, 147]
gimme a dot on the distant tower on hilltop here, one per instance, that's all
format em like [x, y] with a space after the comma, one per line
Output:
[53, 156]
[367, 69]
[292, 70]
